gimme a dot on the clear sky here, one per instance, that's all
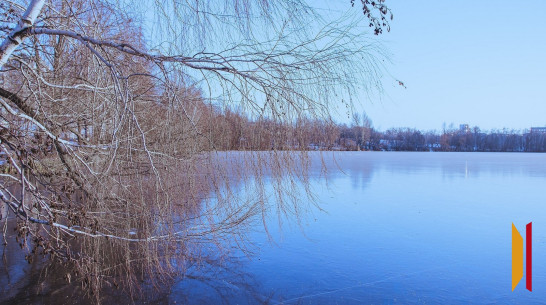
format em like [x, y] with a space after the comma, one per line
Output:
[479, 62]
[476, 62]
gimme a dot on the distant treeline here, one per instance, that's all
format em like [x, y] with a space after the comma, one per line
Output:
[406, 139]
[234, 131]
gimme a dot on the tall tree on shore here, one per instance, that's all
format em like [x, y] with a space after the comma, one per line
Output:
[107, 122]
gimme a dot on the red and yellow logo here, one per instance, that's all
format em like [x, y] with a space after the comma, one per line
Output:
[517, 257]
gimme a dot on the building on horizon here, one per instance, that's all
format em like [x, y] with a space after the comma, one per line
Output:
[538, 129]
[464, 128]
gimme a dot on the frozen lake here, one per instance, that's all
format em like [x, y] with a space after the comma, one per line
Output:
[407, 228]
[395, 227]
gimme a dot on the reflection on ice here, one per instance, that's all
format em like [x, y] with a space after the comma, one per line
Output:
[387, 227]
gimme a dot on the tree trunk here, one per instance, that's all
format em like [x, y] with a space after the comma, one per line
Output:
[16, 37]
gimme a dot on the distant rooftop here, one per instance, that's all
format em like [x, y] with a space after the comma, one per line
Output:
[538, 129]
[464, 128]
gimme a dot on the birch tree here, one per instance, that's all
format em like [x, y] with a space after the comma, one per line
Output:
[107, 121]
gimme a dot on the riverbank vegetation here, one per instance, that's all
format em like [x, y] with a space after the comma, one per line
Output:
[235, 130]
[112, 115]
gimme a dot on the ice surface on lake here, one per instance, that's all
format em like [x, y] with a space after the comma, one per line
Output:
[406, 228]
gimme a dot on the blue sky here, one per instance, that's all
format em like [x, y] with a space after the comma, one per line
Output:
[476, 62]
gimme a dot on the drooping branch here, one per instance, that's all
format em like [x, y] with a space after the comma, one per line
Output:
[12, 97]
[32, 116]
[142, 182]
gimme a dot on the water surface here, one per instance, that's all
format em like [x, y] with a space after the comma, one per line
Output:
[396, 227]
